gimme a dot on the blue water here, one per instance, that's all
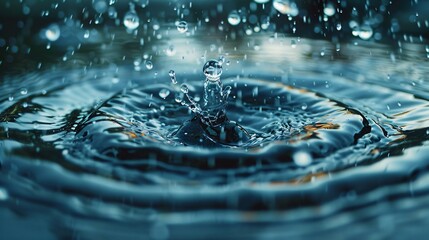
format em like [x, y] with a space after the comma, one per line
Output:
[337, 141]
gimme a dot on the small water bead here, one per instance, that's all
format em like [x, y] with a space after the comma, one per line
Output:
[286, 7]
[53, 32]
[302, 158]
[329, 10]
[131, 20]
[86, 34]
[100, 6]
[182, 26]
[213, 70]
[234, 18]
[149, 65]
[184, 88]
[172, 75]
[24, 91]
[163, 93]
[365, 32]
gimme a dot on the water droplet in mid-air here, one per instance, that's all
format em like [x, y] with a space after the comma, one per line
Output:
[286, 7]
[172, 75]
[131, 20]
[100, 6]
[184, 88]
[234, 18]
[329, 10]
[163, 93]
[149, 65]
[182, 26]
[365, 32]
[53, 32]
[213, 70]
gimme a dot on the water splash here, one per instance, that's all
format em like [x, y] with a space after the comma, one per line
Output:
[210, 124]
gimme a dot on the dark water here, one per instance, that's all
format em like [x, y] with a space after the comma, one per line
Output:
[338, 143]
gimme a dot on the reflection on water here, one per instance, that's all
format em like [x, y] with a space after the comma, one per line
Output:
[337, 135]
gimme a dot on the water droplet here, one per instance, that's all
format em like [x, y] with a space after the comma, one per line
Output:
[365, 32]
[261, 1]
[302, 158]
[149, 65]
[172, 76]
[131, 20]
[184, 88]
[24, 91]
[53, 32]
[286, 7]
[304, 106]
[182, 26]
[178, 97]
[339, 26]
[100, 6]
[163, 93]
[234, 18]
[329, 10]
[213, 70]
[86, 34]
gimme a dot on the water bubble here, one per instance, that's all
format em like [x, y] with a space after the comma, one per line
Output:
[100, 6]
[184, 88]
[212, 69]
[286, 7]
[182, 26]
[53, 32]
[163, 93]
[329, 10]
[365, 32]
[131, 20]
[149, 65]
[234, 18]
[302, 158]
[173, 76]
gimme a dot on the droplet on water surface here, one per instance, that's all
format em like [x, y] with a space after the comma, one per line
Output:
[172, 75]
[163, 93]
[184, 88]
[149, 65]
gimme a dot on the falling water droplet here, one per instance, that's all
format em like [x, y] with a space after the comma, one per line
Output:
[53, 32]
[286, 7]
[365, 32]
[234, 18]
[172, 76]
[149, 65]
[213, 70]
[131, 20]
[86, 34]
[329, 10]
[184, 88]
[182, 26]
[163, 93]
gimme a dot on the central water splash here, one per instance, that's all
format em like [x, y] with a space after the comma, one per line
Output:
[210, 126]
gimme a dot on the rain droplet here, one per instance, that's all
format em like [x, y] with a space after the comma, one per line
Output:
[149, 65]
[53, 32]
[131, 20]
[234, 18]
[286, 7]
[329, 10]
[182, 26]
[365, 32]
[173, 76]
[184, 88]
[163, 93]
[212, 69]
